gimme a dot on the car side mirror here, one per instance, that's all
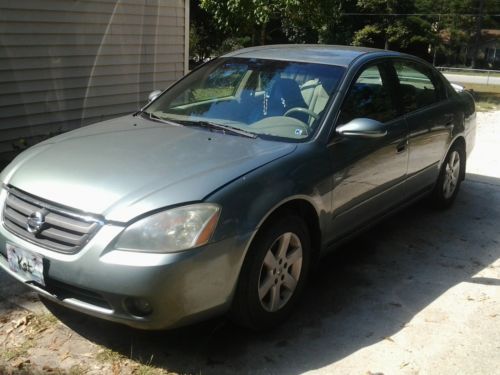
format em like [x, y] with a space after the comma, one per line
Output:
[457, 87]
[154, 95]
[362, 128]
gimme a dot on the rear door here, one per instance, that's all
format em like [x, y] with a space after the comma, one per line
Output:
[368, 172]
[430, 117]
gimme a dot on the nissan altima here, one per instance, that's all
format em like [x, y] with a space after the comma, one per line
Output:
[221, 194]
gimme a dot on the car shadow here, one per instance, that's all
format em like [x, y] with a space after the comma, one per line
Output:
[15, 295]
[365, 293]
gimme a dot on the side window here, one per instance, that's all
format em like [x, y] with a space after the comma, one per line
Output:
[368, 97]
[416, 86]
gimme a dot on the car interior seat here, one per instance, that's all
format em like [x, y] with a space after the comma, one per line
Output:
[283, 95]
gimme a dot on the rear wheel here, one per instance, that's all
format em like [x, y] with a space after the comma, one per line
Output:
[274, 274]
[450, 177]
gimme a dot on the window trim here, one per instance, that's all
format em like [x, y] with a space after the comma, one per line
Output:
[386, 71]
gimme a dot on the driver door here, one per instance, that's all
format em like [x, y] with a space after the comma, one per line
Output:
[368, 172]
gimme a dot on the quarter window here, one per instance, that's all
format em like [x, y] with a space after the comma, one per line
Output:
[416, 87]
[369, 97]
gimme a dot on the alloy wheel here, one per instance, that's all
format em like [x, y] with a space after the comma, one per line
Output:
[280, 272]
[452, 174]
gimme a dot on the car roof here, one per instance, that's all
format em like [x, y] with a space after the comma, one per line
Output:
[311, 53]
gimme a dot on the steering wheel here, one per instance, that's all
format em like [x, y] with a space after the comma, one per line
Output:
[302, 110]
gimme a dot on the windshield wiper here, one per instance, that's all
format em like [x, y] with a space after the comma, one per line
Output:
[153, 117]
[201, 123]
[225, 128]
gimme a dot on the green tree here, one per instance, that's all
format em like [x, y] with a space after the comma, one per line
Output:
[450, 26]
[443, 29]
[244, 17]
[297, 21]
[388, 24]
[205, 38]
[321, 21]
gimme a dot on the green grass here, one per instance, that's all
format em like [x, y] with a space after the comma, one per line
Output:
[77, 370]
[487, 96]
[11, 354]
[212, 93]
[141, 367]
[147, 369]
[469, 73]
[108, 355]
[487, 89]
[487, 101]
[42, 322]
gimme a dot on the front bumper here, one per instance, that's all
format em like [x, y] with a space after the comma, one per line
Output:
[181, 287]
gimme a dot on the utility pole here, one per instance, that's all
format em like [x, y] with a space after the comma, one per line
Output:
[477, 36]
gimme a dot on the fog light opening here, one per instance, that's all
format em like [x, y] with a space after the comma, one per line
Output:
[138, 306]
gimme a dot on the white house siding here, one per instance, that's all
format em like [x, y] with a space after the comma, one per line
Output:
[69, 63]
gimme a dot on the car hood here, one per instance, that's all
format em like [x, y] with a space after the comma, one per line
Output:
[128, 166]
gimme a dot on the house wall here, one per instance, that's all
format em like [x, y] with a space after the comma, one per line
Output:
[69, 63]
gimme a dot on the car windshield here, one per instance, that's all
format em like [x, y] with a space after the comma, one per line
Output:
[283, 99]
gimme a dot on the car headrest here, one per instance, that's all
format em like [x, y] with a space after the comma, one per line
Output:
[285, 92]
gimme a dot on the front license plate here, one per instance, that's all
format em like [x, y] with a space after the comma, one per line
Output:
[25, 263]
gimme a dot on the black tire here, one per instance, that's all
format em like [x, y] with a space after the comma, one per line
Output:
[440, 197]
[248, 308]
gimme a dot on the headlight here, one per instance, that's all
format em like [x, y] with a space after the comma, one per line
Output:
[177, 229]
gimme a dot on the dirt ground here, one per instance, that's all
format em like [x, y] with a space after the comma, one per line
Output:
[420, 293]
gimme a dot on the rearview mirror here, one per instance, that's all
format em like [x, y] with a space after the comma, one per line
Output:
[154, 95]
[362, 128]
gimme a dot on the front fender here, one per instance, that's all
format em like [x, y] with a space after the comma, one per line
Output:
[247, 202]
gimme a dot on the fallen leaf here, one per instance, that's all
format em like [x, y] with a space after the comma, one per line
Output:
[19, 363]
[43, 329]
[18, 323]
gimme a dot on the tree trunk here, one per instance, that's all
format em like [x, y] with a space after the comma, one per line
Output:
[386, 26]
[254, 35]
[477, 36]
[263, 34]
[437, 40]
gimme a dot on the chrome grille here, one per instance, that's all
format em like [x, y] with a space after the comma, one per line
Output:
[63, 230]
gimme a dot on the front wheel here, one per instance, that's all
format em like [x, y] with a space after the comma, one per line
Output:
[273, 274]
[450, 177]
